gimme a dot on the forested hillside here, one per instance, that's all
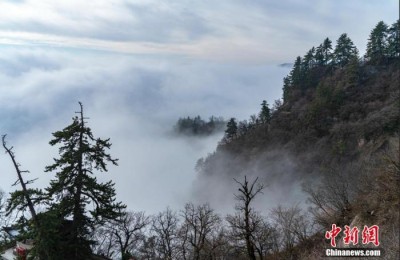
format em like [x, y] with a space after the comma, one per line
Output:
[336, 132]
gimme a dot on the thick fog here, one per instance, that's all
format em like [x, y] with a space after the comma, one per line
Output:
[135, 102]
[276, 170]
[137, 66]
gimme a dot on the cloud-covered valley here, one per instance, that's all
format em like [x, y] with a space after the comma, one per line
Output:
[137, 66]
[133, 100]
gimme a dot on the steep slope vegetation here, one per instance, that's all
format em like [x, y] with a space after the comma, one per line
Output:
[336, 134]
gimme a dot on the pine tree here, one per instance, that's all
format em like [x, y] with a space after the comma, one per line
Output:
[265, 113]
[75, 187]
[309, 60]
[307, 65]
[231, 129]
[319, 55]
[296, 73]
[393, 48]
[287, 86]
[323, 53]
[377, 44]
[344, 51]
[327, 51]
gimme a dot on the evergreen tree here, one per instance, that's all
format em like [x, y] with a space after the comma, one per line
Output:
[231, 129]
[296, 73]
[265, 113]
[75, 187]
[327, 51]
[377, 43]
[307, 65]
[287, 84]
[393, 48]
[344, 51]
[323, 53]
[319, 55]
[309, 60]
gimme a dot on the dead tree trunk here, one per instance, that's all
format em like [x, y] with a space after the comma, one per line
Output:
[21, 181]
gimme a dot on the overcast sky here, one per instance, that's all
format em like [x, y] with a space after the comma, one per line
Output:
[138, 66]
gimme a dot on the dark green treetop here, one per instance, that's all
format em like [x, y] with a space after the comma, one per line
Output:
[265, 113]
[296, 75]
[308, 64]
[287, 84]
[323, 53]
[345, 51]
[309, 60]
[377, 43]
[231, 129]
[327, 50]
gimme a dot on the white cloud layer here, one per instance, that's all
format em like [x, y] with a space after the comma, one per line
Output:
[134, 100]
[138, 66]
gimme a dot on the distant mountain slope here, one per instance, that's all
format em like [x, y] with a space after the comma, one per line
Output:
[330, 123]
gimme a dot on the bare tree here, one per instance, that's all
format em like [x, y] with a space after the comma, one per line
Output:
[196, 230]
[147, 250]
[105, 240]
[293, 226]
[183, 234]
[21, 199]
[128, 231]
[331, 198]
[245, 221]
[165, 227]
[217, 246]
[263, 238]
